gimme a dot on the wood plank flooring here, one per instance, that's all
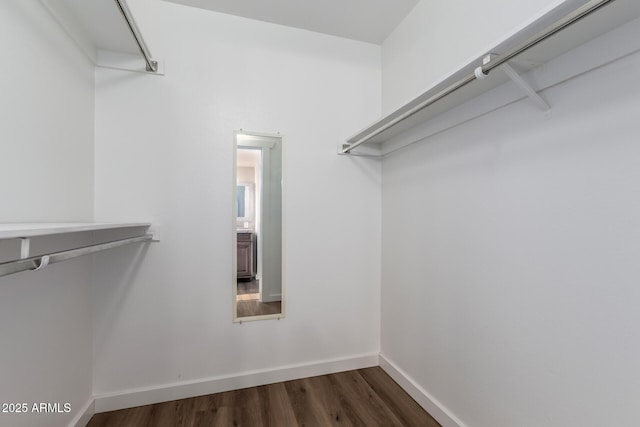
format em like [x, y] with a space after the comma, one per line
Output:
[366, 397]
[247, 304]
[257, 308]
[248, 287]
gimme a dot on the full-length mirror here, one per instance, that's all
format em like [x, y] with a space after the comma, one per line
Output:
[257, 221]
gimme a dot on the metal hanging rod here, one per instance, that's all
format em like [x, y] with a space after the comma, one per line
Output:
[483, 71]
[567, 21]
[152, 65]
[41, 261]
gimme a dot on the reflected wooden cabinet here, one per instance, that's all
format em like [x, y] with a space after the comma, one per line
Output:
[246, 256]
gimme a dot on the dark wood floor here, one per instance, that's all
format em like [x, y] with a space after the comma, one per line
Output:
[248, 287]
[257, 308]
[366, 397]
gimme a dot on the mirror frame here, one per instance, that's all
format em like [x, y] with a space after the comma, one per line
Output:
[234, 218]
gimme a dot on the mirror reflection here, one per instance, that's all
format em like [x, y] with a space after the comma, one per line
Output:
[258, 290]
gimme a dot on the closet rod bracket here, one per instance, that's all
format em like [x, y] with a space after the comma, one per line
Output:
[154, 231]
[479, 72]
[25, 247]
[44, 261]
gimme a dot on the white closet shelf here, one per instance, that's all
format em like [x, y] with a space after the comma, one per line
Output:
[27, 231]
[459, 94]
[106, 31]
[24, 230]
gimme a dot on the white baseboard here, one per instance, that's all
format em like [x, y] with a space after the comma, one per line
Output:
[183, 390]
[436, 409]
[84, 415]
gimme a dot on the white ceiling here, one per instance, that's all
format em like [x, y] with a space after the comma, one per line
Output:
[365, 20]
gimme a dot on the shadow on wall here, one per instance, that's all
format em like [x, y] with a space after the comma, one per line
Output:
[41, 22]
[115, 273]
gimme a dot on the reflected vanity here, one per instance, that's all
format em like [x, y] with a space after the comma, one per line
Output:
[257, 221]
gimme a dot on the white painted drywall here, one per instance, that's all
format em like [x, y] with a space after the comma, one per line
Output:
[246, 175]
[438, 37]
[46, 108]
[164, 150]
[46, 171]
[510, 259]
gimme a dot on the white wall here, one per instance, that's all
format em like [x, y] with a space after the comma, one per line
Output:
[46, 171]
[164, 152]
[246, 175]
[439, 37]
[510, 272]
[47, 120]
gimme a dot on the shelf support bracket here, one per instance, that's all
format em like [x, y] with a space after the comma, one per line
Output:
[526, 87]
[25, 245]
